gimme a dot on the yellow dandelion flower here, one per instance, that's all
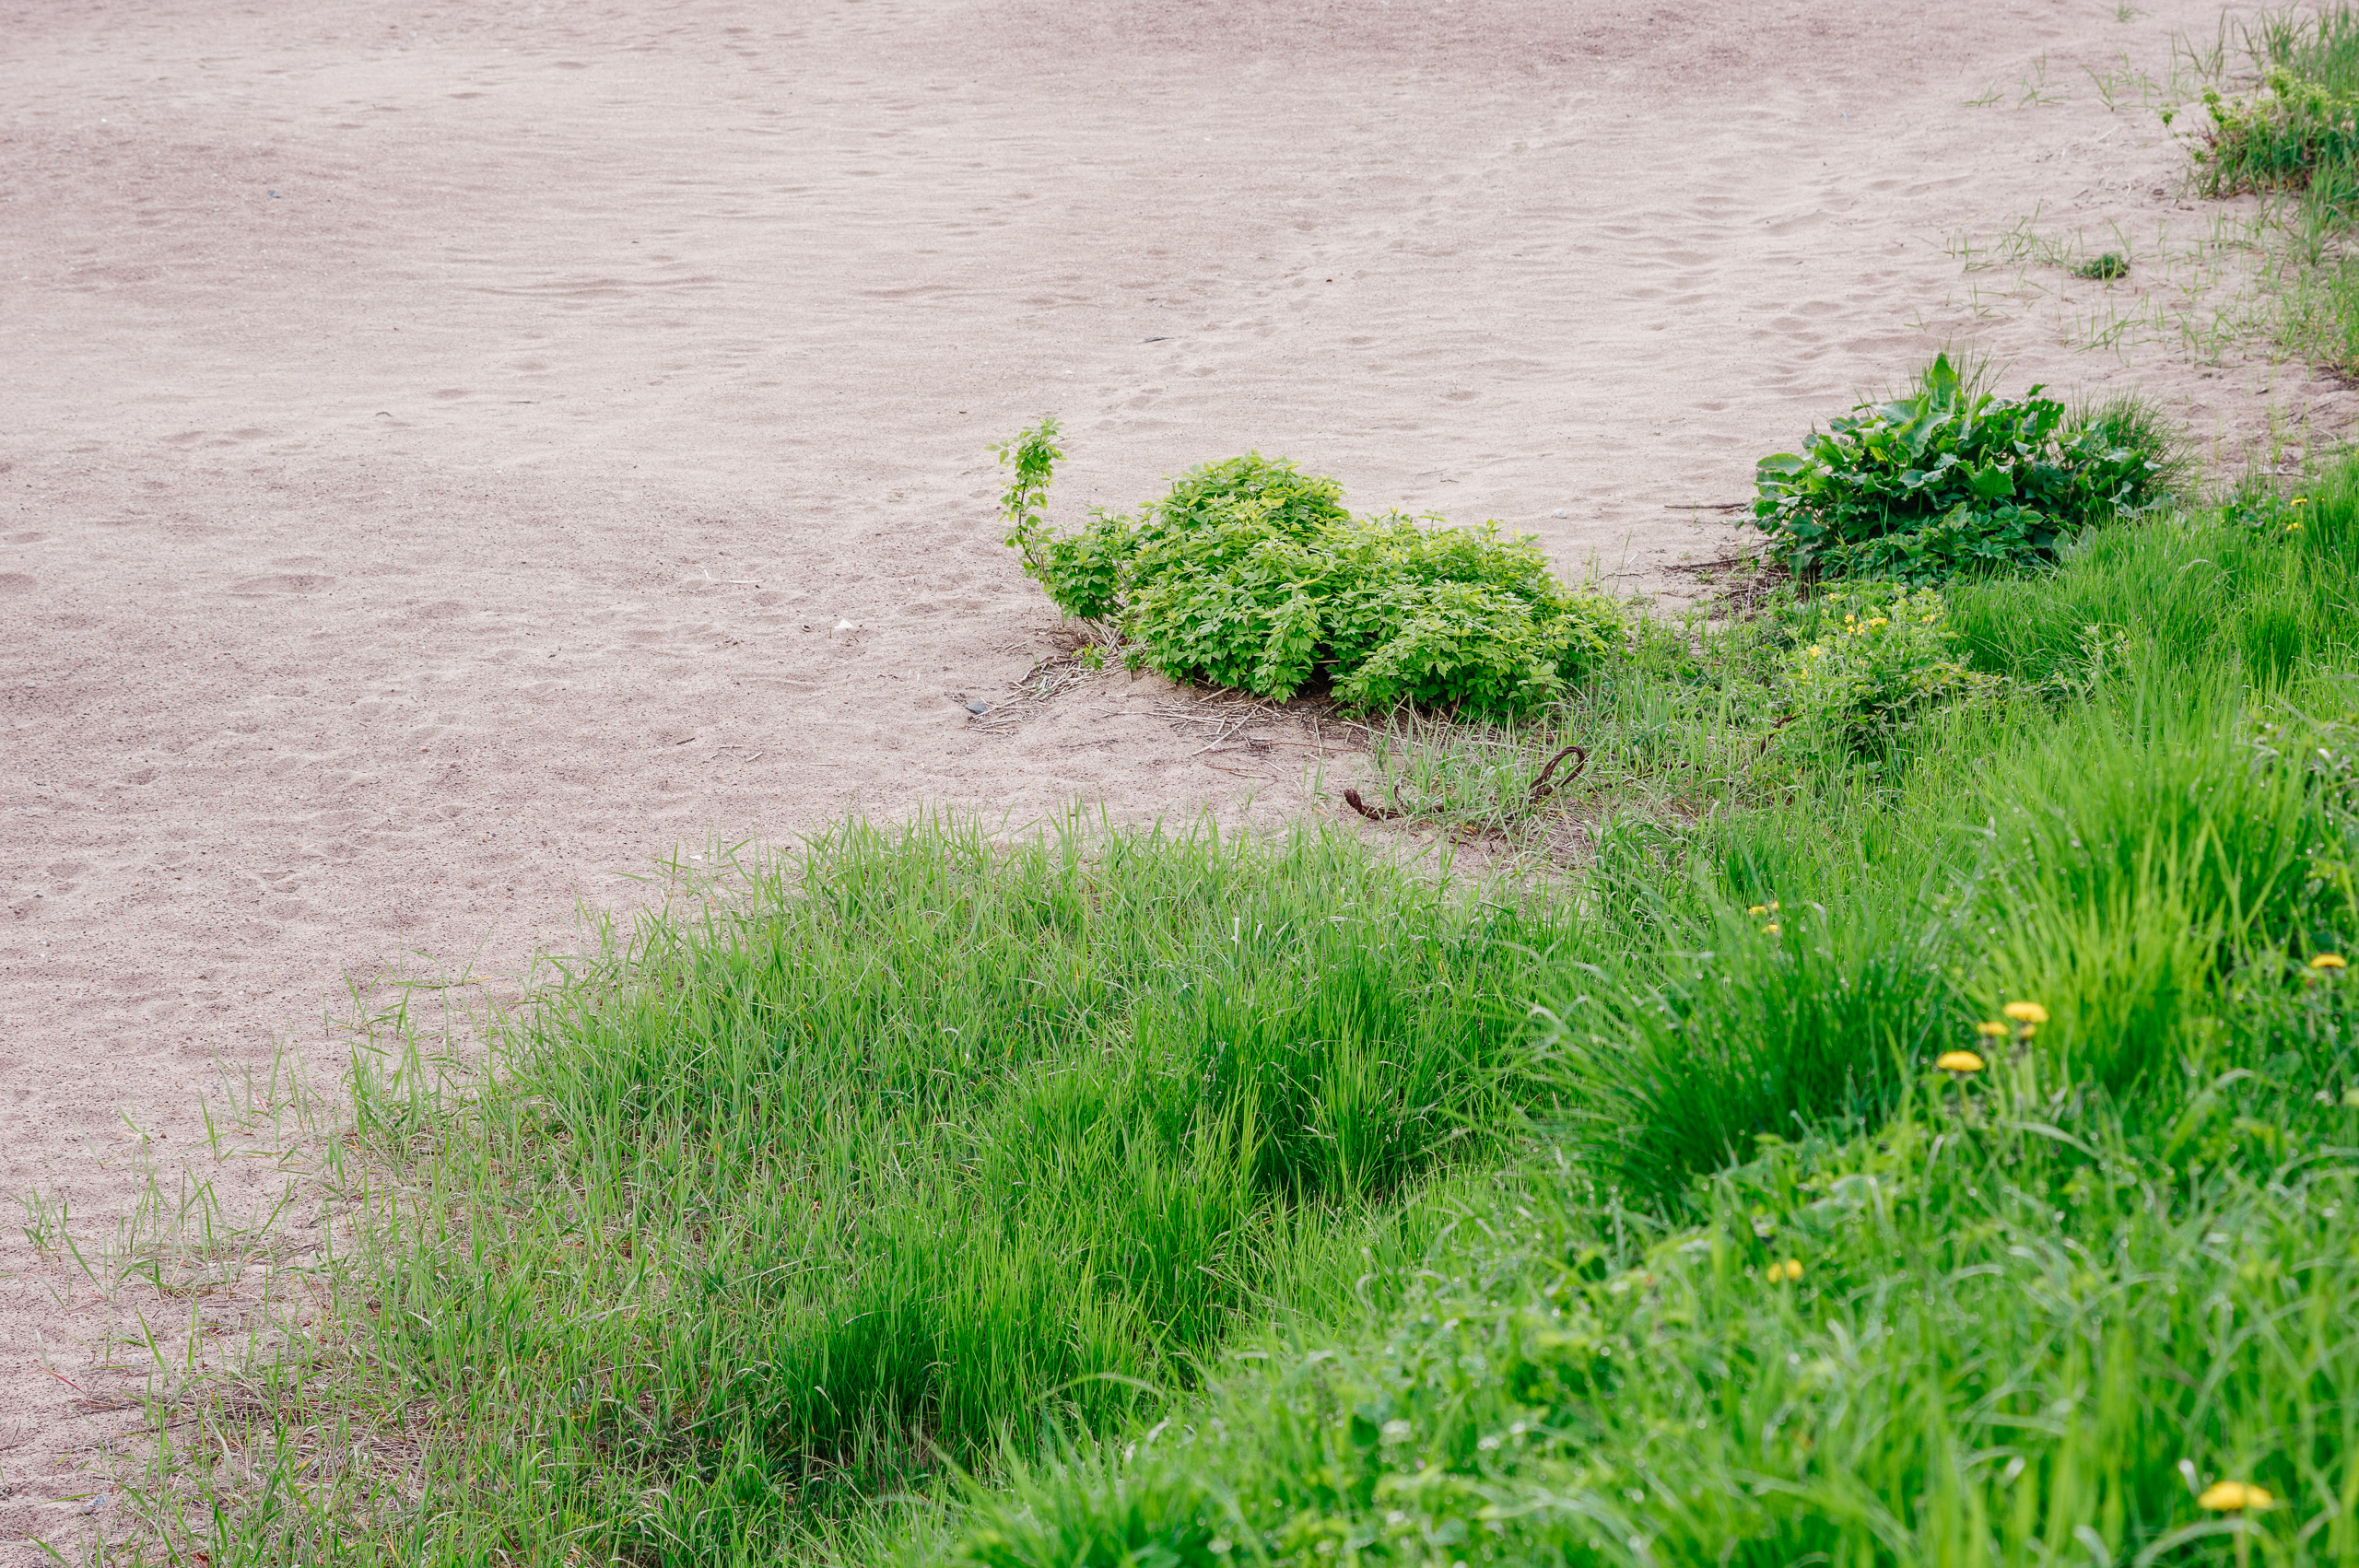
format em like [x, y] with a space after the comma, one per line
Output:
[2329, 961]
[1790, 1268]
[1991, 1029]
[1772, 928]
[2235, 1497]
[1959, 1062]
[2026, 1012]
[1758, 910]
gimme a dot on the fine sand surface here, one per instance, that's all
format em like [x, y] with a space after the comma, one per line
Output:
[442, 443]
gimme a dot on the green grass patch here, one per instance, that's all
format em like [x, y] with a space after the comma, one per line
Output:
[872, 1157]
[2295, 133]
[1780, 1286]
[1976, 1337]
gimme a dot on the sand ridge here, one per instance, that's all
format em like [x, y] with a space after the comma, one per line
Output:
[445, 444]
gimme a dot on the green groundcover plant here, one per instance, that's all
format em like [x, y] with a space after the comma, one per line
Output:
[1951, 479]
[1249, 573]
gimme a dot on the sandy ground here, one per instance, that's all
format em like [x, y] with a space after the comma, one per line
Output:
[443, 443]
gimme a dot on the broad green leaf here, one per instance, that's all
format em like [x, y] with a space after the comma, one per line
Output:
[1993, 482]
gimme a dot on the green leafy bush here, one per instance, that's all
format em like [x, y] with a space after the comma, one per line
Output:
[1251, 574]
[1952, 479]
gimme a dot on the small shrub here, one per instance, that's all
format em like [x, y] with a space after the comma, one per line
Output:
[1084, 566]
[2277, 139]
[1249, 573]
[1951, 479]
[1887, 661]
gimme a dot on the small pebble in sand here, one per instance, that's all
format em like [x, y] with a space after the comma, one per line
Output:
[1560, 512]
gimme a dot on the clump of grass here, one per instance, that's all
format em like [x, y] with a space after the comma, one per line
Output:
[2320, 313]
[2298, 132]
[2263, 583]
[2320, 47]
[2106, 267]
[893, 1150]
[1780, 1017]
[1511, 784]
[2283, 137]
